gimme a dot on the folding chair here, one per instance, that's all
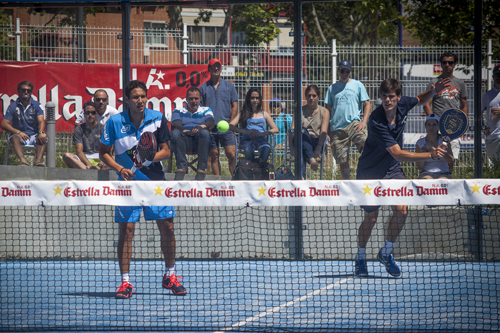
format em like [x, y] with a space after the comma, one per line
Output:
[256, 152]
[191, 163]
[292, 158]
[29, 150]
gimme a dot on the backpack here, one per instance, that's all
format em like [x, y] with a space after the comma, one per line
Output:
[251, 170]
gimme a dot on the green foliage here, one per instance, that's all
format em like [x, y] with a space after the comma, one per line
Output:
[68, 14]
[258, 21]
[448, 22]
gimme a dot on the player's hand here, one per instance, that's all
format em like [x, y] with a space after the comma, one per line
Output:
[24, 136]
[41, 139]
[127, 174]
[137, 160]
[440, 151]
[360, 126]
[487, 131]
[441, 84]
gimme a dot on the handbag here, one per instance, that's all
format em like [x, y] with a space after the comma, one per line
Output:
[285, 173]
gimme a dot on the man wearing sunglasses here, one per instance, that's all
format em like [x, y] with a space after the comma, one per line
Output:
[87, 141]
[453, 96]
[345, 99]
[104, 110]
[25, 123]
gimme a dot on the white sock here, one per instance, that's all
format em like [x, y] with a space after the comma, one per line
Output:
[361, 253]
[169, 271]
[125, 277]
[387, 249]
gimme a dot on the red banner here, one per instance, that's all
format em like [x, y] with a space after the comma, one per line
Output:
[70, 85]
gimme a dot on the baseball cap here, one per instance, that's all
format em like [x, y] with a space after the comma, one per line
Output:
[275, 101]
[496, 69]
[345, 64]
[432, 116]
[214, 61]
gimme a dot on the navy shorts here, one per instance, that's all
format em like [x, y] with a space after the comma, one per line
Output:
[224, 139]
[393, 175]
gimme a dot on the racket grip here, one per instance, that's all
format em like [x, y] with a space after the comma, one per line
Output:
[133, 169]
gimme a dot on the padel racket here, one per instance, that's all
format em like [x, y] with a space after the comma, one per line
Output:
[145, 150]
[452, 124]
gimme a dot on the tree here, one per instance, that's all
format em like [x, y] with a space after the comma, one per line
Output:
[448, 22]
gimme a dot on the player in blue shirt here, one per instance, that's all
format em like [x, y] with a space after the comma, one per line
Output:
[123, 131]
[381, 159]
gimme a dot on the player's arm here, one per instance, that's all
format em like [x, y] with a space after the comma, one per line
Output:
[419, 164]
[81, 155]
[463, 106]
[41, 138]
[209, 123]
[325, 122]
[163, 153]
[177, 124]
[426, 96]
[105, 156]
[401, 155]
[427, 107]
[233, 125]
[367, 110]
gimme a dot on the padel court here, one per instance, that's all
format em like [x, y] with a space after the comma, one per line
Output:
[251, 296]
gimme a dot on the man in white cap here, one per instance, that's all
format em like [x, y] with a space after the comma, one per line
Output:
[344, 100]
[220, 96]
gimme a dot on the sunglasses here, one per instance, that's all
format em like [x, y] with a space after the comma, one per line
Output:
[90, 112]
[449, 63]
[101, 99]
[345, 71]
[27, 90]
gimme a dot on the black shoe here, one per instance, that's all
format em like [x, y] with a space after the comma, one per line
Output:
[173, 284]
[200, 176]
[124, 290]
[179, 175]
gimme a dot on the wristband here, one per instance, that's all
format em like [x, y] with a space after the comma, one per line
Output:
[120, 172]
[100, 165]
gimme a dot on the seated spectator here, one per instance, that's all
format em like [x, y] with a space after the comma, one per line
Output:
[437, 168]
[283, 122]
[315, 120]
[87, 141]
[104, 111]
[191, 127]
[25, 123]
[253, 122]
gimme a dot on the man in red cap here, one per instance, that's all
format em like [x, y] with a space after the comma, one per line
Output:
[220, 96]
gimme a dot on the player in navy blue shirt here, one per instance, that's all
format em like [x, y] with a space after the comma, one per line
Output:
[381, 159]
[123, 130]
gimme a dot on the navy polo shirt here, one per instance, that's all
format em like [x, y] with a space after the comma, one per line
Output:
[376, 162]
[220, 99]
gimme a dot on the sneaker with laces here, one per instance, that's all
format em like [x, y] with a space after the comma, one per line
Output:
[390, 265]
[124, 290]
[173, 284]
[360, 268]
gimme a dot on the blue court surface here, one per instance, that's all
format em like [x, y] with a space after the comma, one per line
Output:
[251, 296]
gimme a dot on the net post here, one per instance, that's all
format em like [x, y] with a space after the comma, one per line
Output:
[297, 226]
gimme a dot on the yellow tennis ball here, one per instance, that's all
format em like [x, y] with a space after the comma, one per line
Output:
[223, 126]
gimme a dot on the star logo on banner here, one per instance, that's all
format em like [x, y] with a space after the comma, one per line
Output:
[475, 188]
[57, 190]
[367, 190]
[262, 191]
[160, 75]
[158, 191]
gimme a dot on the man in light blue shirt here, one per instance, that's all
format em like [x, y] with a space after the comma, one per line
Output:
[344, 100]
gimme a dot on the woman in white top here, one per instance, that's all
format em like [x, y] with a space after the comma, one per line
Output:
[253, 123]
[438, 168]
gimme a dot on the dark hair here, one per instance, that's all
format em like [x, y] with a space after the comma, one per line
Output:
[135, 84]
[246, 112]
[193, 89]
[25, 83]
[389, 85]
[89, 103]
[447, 55]
[104, 91]
[312, 87]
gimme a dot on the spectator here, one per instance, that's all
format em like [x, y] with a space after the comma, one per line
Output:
[490, 104]
[435, 168]
[344, 100]
[220, 96]
[104, 110]
[453, 96]
[315, 120]
[87, 140]
[25, 123]
[191, 127]
[283, 122]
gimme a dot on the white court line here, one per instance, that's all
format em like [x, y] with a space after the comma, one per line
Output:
[277, 308]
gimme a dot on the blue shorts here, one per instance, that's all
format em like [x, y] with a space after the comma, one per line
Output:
[224, 139]
[133, 213]
[393, 175]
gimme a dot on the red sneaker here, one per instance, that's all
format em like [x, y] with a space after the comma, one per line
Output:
[173, 284]
[124, 290]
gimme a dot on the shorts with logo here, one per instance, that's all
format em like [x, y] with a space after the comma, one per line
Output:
[344, 138]
[133, 213]
[224, 139]
[31, 141]
[394, 175]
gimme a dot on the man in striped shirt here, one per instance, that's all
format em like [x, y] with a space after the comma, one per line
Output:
[191, 127]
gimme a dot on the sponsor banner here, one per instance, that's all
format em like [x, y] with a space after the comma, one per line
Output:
[70, 85]
[252, 193]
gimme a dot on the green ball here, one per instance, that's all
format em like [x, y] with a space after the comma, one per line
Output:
[223, 126]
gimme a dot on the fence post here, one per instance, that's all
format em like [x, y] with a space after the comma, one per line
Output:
[184, 44]
[490, 65]
[334, 61]
[18, 39]
[50, 109]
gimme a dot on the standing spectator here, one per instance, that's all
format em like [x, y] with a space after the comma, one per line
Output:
[283, 122]
[453, 96]
[123, 130]
[490, 104]
[104, 110]
[344, 100]
[87, 141]
[191, 132]
[25, 123]
[220, 96]
[381, 159]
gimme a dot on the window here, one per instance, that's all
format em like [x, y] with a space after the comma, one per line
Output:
[155, 33]
[204, 35]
